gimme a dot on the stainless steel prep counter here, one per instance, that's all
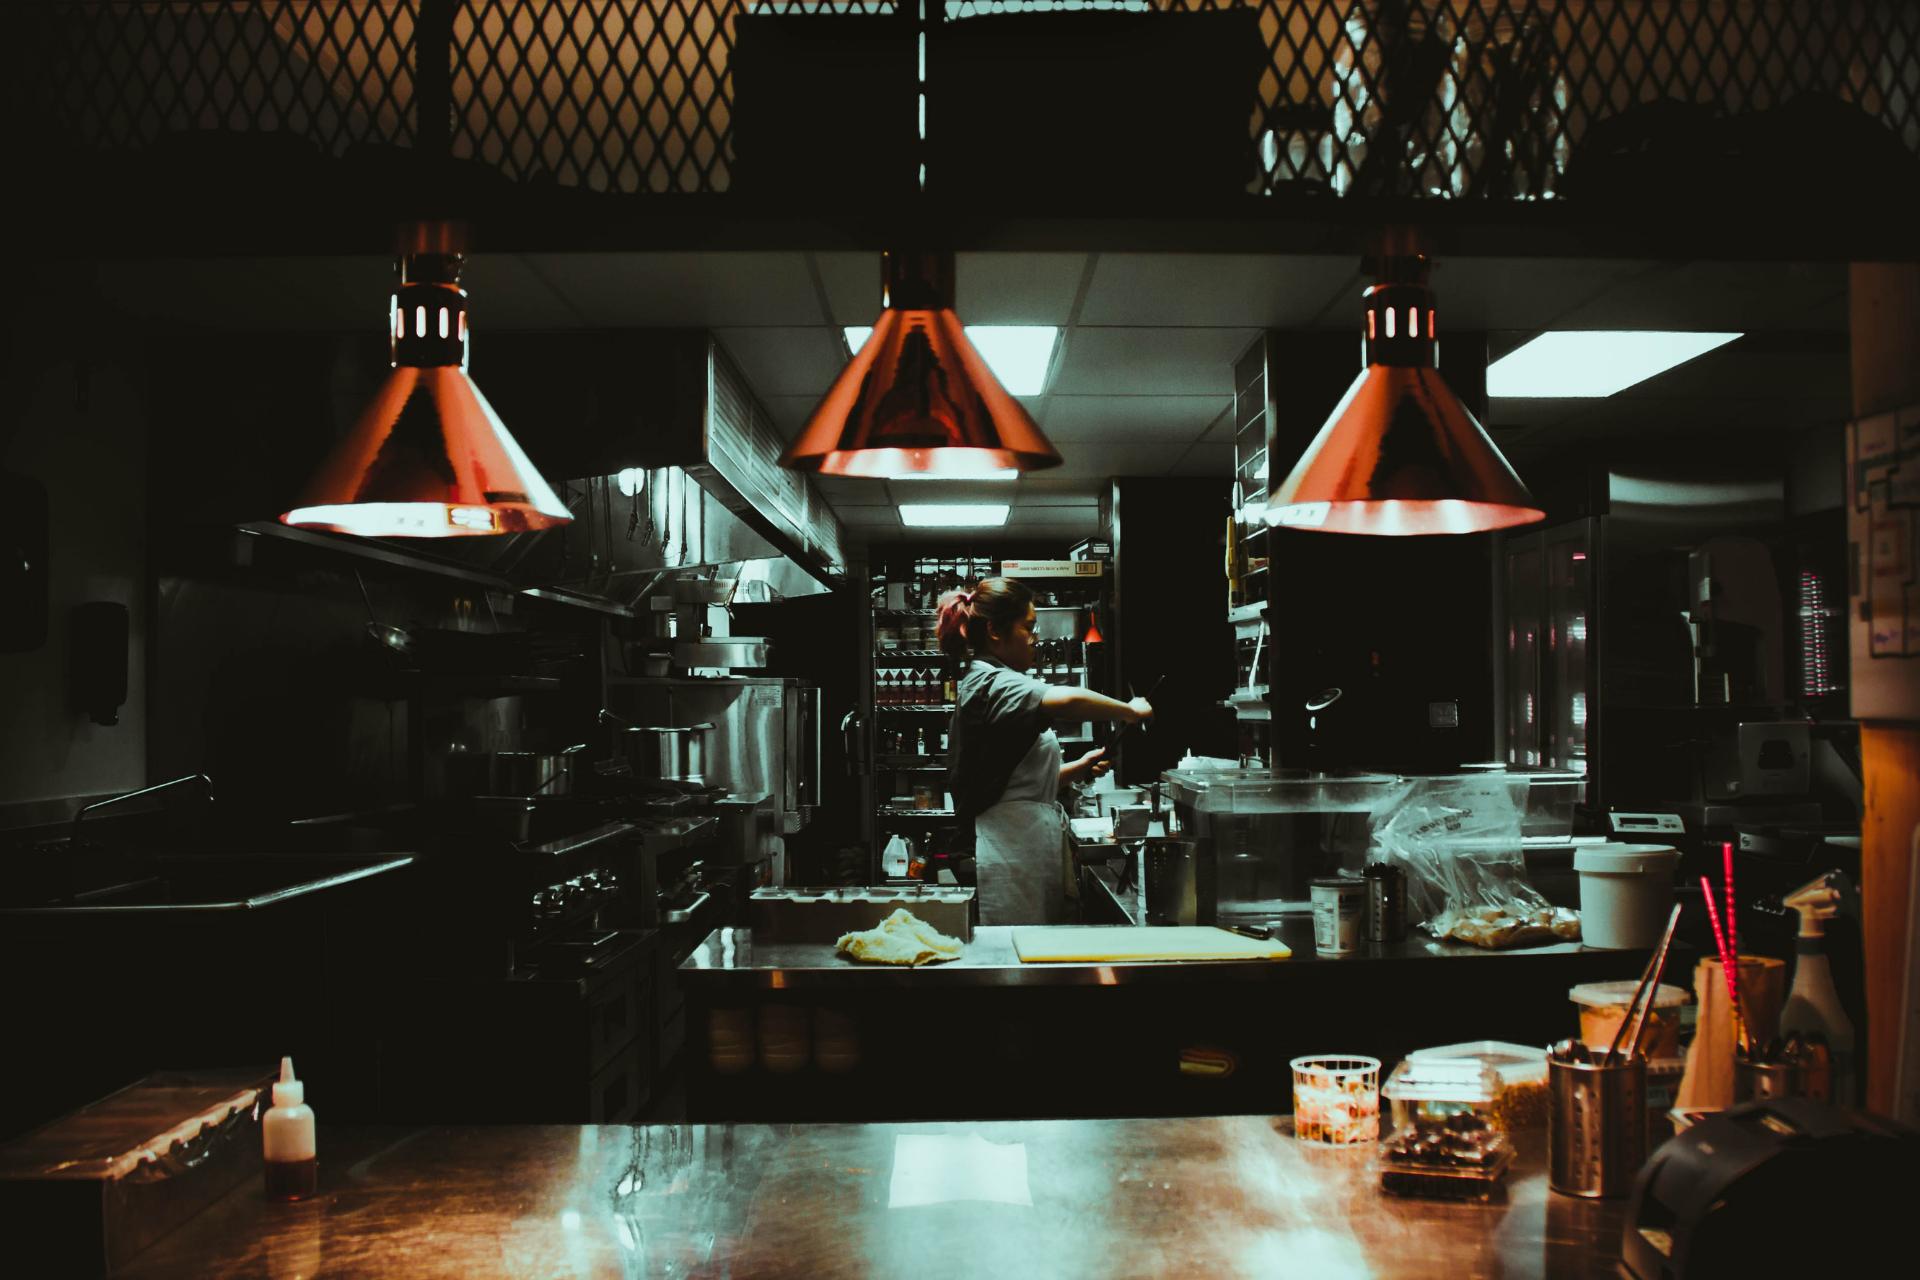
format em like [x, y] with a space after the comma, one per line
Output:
[731, 960]
[1228, 1196]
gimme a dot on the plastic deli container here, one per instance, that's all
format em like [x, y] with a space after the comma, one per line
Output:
[1626, 893]
[1603, 1004]
[1445, 1141]
[1426, 1092]
[1462, 1158]
[1336, 1099]
[1521, 1100]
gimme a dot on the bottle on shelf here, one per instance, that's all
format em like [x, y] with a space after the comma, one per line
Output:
[920, 742]
[949, 687]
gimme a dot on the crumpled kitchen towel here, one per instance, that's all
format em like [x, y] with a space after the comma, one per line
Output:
[902, 938]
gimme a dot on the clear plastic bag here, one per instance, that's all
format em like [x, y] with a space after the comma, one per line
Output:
[1458, 840]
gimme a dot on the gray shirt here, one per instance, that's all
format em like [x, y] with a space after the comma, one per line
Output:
[1003, 746]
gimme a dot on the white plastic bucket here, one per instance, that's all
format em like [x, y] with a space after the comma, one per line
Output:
[1626, 893]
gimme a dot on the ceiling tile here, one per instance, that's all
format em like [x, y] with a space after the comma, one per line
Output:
[1150, 361]
[954, 491]
[1258, 290]
[1029, 496]
[852, 282]
[790, 413]
[843, 491]
[507, 293]
[1128, 418]
[1207, 458]
[1514, 412]
[1058, 481]
[785, 362]
[1728, 296]
[869, 517]
[1097, 462]
[1017, 288]
[710, 289]
[989, 288]
[1755, 368]
[1052, 517]
[1515, 293]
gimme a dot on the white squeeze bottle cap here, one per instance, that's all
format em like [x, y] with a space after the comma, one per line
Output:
[288, 1092]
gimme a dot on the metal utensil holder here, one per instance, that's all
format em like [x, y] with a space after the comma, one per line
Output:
[1172, 877]
[1596, 1126]
[1787, 1077]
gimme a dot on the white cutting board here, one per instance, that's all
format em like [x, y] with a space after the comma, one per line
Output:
[1125, 942]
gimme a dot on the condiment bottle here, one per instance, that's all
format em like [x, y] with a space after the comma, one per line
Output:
[1813, 1011]
[286, 1131]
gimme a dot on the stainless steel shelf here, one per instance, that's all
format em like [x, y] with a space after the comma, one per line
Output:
[913, 706]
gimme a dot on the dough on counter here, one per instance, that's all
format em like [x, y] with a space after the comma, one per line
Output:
[1497, 927]
[902, 938]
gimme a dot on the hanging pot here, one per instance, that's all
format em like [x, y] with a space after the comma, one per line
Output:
[667, 753]
[512, 773]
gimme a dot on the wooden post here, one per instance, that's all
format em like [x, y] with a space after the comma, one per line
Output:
[1885, 323]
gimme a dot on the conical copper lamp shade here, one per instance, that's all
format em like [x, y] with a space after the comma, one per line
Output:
[428, 458]
[918, 401]
[1401, 455]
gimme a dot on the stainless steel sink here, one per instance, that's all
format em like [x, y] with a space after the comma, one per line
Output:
[170, 885]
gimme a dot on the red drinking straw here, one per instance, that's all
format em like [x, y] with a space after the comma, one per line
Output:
[1733, 917]
[1726, 966]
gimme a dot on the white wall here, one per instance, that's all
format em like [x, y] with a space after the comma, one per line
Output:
[82, 434]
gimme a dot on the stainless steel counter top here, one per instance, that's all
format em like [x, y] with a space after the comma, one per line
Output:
[1224, 1196]
[731, 959]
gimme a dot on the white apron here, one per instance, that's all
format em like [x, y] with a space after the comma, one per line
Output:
[1019, 846]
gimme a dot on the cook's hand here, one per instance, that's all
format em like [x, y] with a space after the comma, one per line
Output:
[1142, 710]
[1091, 765]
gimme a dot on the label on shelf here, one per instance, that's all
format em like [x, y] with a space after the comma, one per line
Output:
[1051, 568]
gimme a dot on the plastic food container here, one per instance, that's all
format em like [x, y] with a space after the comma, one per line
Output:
[1269, 833]
[1428, 1092]
[1336, 1099]
[1626, 892]
[1603, 1004]
[1462, 1158]
[1521, 1102]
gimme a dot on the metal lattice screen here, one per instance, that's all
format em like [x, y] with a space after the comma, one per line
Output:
[1441, 99]
[122, 76]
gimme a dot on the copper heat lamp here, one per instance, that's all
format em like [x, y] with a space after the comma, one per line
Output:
[1401, 455]
[428, 458]
[917, 401]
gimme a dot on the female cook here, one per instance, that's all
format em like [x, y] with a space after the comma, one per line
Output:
[1006, 762]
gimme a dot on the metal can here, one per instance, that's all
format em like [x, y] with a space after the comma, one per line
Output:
[1386, 902]
[1338, 902]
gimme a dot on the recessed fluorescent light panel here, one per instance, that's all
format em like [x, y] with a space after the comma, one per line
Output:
[994, 476]
[1595, 362]
[953, 515]
[1018, 354]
